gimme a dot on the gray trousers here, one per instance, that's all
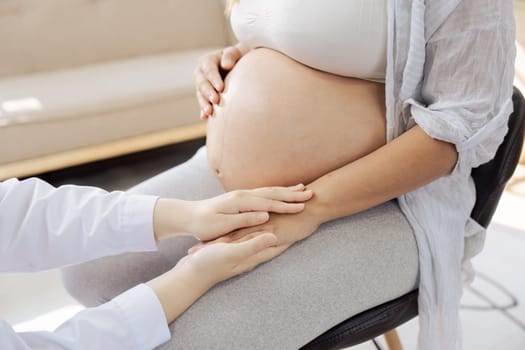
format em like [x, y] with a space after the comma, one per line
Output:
[346, 266]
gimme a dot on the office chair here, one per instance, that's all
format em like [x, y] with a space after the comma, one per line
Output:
[490, 179]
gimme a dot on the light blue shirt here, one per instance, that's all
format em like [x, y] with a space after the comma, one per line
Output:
[450, 69]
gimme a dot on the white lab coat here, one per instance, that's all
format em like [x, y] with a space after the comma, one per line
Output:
[42, 227]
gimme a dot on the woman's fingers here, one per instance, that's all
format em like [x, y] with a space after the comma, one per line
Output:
[209, 67]
[245, 234]
[205, 88]
[198, 246]
[241, 237]
[206, 107]
[208, 79]
[208, 83]
[229, 57]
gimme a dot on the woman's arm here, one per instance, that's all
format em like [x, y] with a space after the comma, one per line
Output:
[211, 218]
[461, 119]
[410, 161]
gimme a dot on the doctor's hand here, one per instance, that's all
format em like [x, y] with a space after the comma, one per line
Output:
[209, 75]
[210, 218]
[217, 262]
[193, 275]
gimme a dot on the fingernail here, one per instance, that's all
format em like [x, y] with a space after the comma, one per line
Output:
[299, 186]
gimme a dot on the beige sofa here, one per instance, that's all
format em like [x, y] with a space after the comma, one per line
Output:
[83, 80]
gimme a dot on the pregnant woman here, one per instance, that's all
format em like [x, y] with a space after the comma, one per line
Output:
[380, 107]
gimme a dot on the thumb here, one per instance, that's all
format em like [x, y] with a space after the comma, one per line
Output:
[229, 57]
[246, 249]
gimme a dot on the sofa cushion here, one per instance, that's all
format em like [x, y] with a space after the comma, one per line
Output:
[96, 103]
[46, 35]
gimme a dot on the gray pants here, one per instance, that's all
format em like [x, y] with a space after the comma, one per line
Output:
[346, 266]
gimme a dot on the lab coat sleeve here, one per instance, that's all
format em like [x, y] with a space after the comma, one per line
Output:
[466, 94]
[133, 320]
[43, 227]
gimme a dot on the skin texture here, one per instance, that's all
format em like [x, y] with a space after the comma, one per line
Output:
[208, 79]
[264, 124]
[409, 162]
[180, 287]
[194, 275]
[214, 217]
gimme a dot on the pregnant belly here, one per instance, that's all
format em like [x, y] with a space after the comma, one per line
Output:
[280, 122]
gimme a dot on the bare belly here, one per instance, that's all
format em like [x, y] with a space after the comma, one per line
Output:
[281, 123]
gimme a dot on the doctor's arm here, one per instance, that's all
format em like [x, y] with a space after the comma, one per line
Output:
[460, 117]
[43, 227]
[36, 218]
[138, 318]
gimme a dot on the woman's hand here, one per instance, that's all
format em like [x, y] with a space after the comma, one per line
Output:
[287, 228]
[180, 287]
[209, 76]
[214, 217]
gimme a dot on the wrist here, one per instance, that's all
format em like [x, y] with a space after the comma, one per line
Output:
[318, 208]
[192, 277]
[177, 289]
[170, 217]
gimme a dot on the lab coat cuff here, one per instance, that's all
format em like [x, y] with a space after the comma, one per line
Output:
[145, 317]
[137, 222]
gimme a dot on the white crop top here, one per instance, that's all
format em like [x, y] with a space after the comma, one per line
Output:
[343, 37]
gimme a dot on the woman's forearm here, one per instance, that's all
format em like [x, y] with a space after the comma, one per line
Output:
[407, 163]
